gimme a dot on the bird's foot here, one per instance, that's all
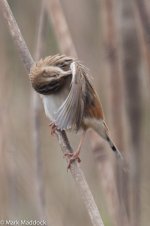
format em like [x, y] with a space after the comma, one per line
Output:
[53, 128]
[72, 156]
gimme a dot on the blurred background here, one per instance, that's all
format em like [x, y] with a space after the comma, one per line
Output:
[112, 38]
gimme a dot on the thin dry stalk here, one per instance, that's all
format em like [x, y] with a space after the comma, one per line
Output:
[143, 28]
[114, 98]
[131, 61]
[145, 22]
[60, 27]
[76, 172]
[25, 55]
[35, 108]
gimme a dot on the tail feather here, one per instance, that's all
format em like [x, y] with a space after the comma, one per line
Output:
[114, 148]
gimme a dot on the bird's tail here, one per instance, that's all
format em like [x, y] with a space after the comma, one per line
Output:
[114, 148]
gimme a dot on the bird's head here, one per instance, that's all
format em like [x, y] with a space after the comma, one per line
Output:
[51, 70]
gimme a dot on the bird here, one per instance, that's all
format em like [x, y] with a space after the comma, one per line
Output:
[70, 100]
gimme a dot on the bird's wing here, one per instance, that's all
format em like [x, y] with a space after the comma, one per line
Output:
[70, 113]
[93, 107]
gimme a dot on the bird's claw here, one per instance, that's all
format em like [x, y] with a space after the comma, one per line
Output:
[72, 156]
[53, 128]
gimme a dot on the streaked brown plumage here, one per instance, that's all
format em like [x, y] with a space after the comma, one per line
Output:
[70, 100]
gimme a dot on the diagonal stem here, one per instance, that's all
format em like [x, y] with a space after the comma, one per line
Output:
[16, 35]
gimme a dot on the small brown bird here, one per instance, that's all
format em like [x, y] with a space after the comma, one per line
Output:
[70, 100]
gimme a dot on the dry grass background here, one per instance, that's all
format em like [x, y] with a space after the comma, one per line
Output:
[17, 161]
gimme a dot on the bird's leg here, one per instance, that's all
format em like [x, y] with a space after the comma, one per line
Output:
[53, 128]
[72, 156]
